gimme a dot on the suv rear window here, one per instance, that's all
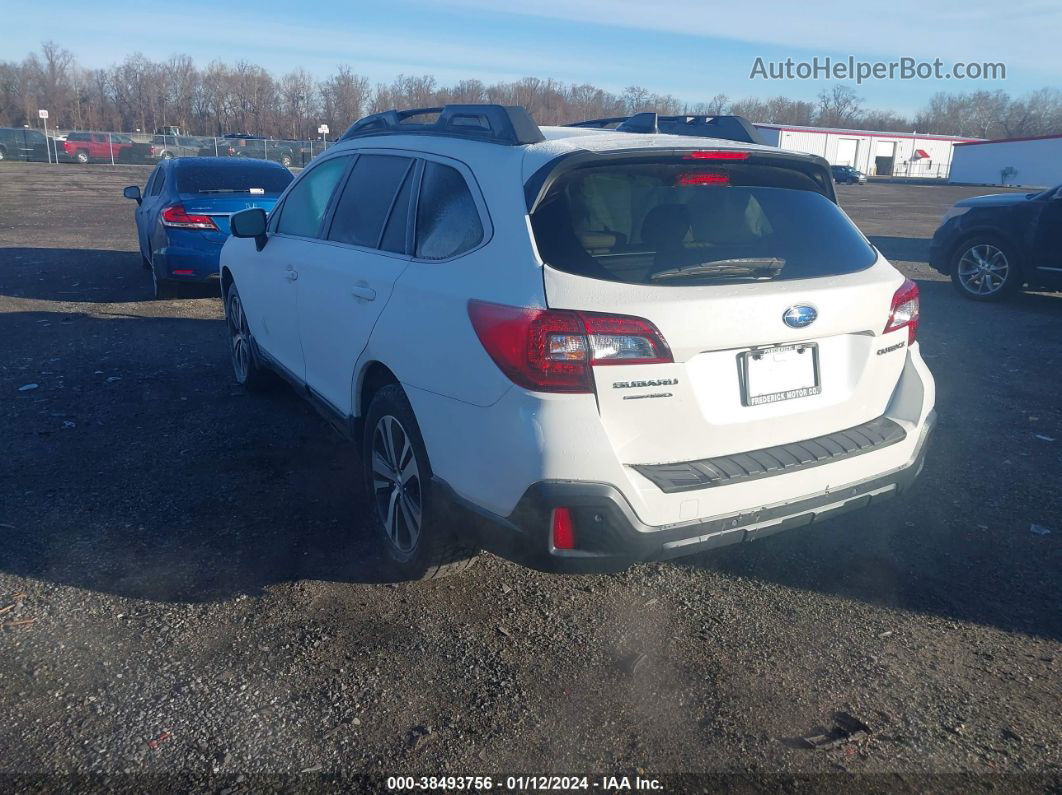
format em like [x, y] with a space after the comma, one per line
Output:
[231, 179]
[686, 223]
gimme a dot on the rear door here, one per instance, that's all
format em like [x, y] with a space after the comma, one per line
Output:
[345, 279]
[270, 288]
[772, 302]
[148, 211]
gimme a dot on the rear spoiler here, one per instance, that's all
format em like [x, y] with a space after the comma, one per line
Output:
[729, 128]
[816, 168]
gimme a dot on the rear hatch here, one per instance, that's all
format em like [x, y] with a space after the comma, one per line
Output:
[772, 303]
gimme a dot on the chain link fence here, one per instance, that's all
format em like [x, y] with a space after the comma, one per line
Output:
[113, 148]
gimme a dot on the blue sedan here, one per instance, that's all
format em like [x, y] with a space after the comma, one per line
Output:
[182, 218]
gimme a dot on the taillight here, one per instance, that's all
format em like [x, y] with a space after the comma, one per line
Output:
[551, 350]
[717, 154]
[904, 310]
[175, 215]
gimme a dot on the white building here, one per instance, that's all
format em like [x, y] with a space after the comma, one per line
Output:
[1032, 162]
[873, 153]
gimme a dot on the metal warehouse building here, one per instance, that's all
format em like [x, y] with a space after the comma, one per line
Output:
[873, 153]
[1033, 162]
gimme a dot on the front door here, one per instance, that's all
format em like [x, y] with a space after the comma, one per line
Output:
[271, 295]
[1048, 238]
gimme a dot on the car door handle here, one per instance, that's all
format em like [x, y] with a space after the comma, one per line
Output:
[364, 292]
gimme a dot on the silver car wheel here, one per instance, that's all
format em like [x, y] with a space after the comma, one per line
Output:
[396, 483]
[983, 269]
[240, 339]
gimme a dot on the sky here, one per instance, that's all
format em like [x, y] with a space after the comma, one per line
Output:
[692, 49]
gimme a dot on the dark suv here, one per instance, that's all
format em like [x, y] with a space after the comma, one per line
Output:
[21, 143]
[992, 245]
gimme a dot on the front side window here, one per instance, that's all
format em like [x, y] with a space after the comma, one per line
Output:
[448, 221]
[671, 223]
[367, 200]
[305, 205]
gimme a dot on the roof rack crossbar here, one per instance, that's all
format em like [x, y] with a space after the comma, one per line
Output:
[731, 128]
[510, 125]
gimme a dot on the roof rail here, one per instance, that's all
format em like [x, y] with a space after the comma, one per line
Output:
[731, 128]
[510, 125]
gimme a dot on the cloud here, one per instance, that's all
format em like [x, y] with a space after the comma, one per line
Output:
[317, 47]
[1019, 32]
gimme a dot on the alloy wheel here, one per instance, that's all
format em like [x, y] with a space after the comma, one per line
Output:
[396, 483]
[240, 339]
[983, 269]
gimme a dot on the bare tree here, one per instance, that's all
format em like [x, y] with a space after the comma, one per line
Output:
[838, 107]
[140, 93]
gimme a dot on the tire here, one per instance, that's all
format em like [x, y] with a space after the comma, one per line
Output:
[286, 161]
[167, 155]
[81, 156]
[3, 153]
[985, 269]
[246, 369]
[421, 544]
[162, 289]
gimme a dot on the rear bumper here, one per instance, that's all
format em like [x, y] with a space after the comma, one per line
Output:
[205, 263]
[610, 537]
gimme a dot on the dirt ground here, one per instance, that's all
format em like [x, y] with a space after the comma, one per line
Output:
[188, 595]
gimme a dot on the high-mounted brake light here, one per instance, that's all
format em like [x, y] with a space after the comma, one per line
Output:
[702, 179]
[175, 215]
[550, 350]
[718, 154]
[905, 310]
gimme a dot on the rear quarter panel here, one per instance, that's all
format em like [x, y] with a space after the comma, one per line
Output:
[424, 335]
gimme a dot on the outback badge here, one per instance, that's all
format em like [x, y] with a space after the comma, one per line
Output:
[800, 316]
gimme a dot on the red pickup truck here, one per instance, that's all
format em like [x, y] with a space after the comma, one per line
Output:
[84, 147]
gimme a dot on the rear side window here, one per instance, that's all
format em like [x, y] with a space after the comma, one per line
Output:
[305, 205]
[683, 223]
[367, 200]
[250, 178]
[448, 220]
[75, 136]
[157, 183]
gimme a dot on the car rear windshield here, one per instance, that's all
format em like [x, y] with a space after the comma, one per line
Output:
[228, 179]
[684, 223]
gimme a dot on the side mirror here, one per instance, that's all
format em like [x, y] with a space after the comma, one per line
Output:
[249, 223]
[133, 192]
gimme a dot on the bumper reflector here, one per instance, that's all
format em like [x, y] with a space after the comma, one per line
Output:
[563, 532]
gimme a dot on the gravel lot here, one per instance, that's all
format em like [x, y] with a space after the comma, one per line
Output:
[193, 596]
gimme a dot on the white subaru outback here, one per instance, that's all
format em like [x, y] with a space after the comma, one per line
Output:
[581, 348]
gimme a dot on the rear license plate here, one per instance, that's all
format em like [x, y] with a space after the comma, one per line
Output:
[782, 373]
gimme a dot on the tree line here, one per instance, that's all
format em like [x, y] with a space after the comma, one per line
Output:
[142, 94]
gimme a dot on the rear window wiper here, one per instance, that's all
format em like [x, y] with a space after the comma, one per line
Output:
[759, 267]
